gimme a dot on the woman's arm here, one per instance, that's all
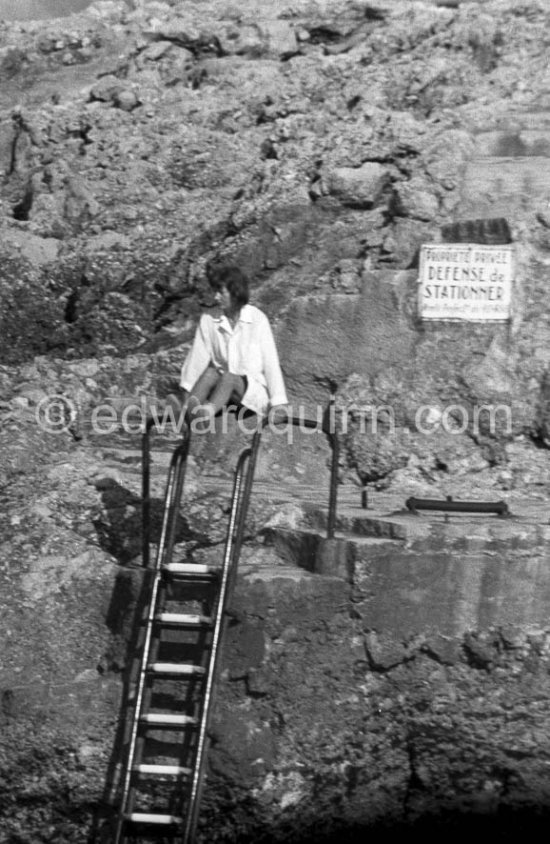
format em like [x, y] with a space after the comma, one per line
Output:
[272, 368]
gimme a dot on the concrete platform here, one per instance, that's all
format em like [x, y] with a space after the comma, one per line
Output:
[405, 573]
[410, 574]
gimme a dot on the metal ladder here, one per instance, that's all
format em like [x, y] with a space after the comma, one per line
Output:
[183, 629]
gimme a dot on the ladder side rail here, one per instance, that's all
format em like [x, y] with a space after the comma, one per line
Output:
[175, 480]
[240, 521]
[146, 491]
[146, 486]
[172, 517]
[176, 469]
[200, 756]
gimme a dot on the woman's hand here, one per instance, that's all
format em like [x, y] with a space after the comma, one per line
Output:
[278, 413]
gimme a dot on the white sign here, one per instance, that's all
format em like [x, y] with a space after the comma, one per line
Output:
[467, 281]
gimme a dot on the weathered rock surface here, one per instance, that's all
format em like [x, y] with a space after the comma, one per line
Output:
[319, 146]
[139, 144]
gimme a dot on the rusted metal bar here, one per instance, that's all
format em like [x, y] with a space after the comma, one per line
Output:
[448, 505]
[333, 492]
[328, 427]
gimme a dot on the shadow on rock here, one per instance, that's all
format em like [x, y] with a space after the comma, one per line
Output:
[120, 527]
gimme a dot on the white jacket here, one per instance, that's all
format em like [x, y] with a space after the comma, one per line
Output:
[248, 349]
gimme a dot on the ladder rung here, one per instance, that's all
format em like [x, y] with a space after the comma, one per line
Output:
[184, 619]
[145, 817]
[191, 569]
[159, 770]
[161, 719]
[175, 668]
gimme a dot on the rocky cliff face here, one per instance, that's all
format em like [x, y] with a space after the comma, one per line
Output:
[318, 145]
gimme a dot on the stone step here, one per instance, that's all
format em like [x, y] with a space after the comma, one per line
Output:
[161, 719]
[146, 769]
[154, 818]
[334, 557]
[192, 570]
[526, 526]
[174, 619]
[176, 668]
[356, 521]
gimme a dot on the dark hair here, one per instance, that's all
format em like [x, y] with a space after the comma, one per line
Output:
[234, 280]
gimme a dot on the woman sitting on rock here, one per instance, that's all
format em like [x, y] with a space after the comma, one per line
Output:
[233, 358]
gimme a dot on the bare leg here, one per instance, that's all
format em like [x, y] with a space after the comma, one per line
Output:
[230, 387]
[204, 386]
[213, 391]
